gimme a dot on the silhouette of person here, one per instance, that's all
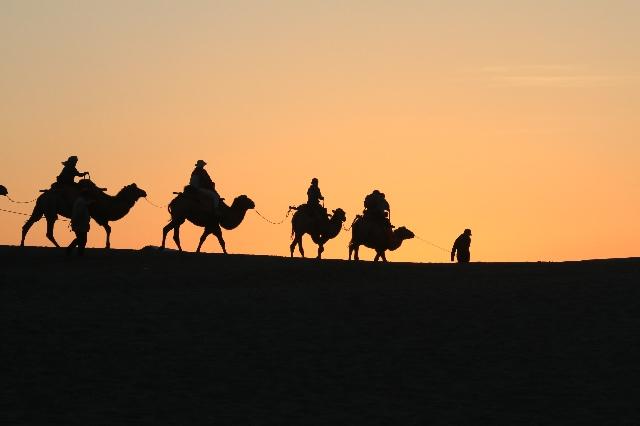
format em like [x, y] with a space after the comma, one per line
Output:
[201, 181]
[3, 190]
[461, 247]
[69, 172]
[80, 222]
[377, 206]
[314, 195]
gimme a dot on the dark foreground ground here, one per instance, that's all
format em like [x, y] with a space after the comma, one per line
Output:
[144, 338]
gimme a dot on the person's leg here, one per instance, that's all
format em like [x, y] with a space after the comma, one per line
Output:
[82, 242]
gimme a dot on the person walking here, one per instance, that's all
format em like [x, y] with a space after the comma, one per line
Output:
[461, 247]
[80, 218]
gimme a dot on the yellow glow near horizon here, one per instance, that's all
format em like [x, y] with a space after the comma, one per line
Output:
[516, 119]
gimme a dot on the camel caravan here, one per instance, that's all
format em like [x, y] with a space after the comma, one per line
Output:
[200, 204]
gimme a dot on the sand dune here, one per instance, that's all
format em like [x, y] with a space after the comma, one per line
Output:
[126, 337]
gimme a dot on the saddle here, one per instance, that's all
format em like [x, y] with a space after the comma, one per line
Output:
[193, 194]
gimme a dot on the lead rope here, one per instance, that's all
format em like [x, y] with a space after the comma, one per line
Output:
[271, 221]
[21, 202]
[154, 204]
[432, 244]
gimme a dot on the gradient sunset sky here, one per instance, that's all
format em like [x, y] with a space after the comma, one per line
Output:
[519, 119]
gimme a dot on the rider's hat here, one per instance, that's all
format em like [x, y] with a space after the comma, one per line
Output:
[201, 163]
[71, 160]
[467, 231]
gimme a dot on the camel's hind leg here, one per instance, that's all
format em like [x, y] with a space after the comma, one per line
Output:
[175, 225]
[300, 248]
[36, 216]
[320, 250]
[51, 220]
[380, 255]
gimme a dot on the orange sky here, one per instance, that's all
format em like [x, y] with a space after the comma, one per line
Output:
[517, 119]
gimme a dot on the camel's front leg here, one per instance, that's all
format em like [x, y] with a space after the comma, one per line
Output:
[107, 229]
[218, 234]
[320, 250]
[355, 248]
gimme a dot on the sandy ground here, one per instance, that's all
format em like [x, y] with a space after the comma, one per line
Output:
[146, 338]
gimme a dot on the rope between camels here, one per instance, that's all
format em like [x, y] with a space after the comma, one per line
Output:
[272, 222]
[154, 204]
[432, 244]
[11, 211]
[21, 202]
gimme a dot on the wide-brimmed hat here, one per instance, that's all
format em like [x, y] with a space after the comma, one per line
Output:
[200, 163]
[72, 159]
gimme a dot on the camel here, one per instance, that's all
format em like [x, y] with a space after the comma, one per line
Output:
[371, 234]
[302, 223]
[191, 208]
[104, 209]
[3, 190]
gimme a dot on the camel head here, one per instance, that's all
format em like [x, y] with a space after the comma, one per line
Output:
[244, 202]
[339, 214]
[3, 190]
[133, 192]
[403, 233]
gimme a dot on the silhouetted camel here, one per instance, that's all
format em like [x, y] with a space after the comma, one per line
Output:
[187, 207]
[372, 234]
[105, 209]
[302, 223]
[108, 208]
[3, 190]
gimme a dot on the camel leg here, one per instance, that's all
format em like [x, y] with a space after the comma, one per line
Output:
[356, 248]
[165, 231]
[107, 229]
[382, 255]
[218, 234]
[204, 236]
[176, 236]
[320, 250]
[300, 245]
[292, 246]
[51, 220]
[173, 224]
[28, 224]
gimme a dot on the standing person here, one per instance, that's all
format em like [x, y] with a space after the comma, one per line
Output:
[461, 247]
[80, 223]
[201, 181]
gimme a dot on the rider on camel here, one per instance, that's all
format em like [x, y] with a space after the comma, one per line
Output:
[201, 181]
[313, 200]
[376, 207]
[69, 172]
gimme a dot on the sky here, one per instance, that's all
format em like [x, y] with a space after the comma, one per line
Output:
[517, 119]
